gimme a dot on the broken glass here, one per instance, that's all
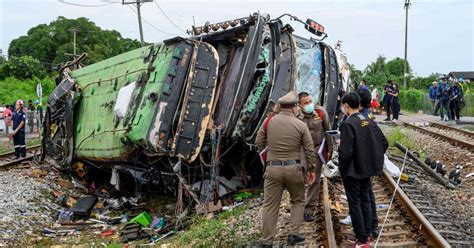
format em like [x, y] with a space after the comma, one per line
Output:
[309, 63]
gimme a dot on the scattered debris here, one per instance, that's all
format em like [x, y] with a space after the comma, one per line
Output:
[83, 206]
[428, 169]
[144, 219]
[132, 231]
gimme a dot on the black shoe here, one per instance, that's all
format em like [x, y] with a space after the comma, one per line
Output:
[375, 233]
[308, 217]
[387, 119]
[293, 239]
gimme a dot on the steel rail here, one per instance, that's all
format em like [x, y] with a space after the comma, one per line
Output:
[6, 154]
[330, 235]
[15, 162]
[459, 130]
[8, 164]
[424, 226]
[451, 140]
[435, 124]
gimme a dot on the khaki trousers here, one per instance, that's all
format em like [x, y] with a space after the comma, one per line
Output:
[277, 178]
[312, 195]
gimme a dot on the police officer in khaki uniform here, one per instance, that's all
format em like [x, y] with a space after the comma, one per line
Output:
[285, 136]
[316, 118]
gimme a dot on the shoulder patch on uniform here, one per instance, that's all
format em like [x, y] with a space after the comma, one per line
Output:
[364, 123]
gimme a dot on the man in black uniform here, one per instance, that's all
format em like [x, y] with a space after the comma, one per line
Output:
[18, 133]
[361, 156]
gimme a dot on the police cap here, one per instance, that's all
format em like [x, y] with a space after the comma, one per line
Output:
[289, 99]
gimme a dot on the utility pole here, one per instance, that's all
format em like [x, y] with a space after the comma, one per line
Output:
[405, 64]
[74, 32]
[138, 4]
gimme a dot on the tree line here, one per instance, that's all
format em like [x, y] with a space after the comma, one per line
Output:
[35, 56]
[380, 70]
[45, 46]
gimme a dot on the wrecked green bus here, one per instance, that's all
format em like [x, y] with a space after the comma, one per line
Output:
[187, 110]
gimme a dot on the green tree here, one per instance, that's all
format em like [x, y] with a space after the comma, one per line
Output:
[381, 70]
[24, 67]
[51, 43]
[376, 73]
[423, 83]
[356, 75]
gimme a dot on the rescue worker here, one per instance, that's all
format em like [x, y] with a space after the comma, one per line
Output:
[361, 156]
[387, 98]
[316, 118]
[455, 102]
[18, 133]
[285, 136]
[433, 97]
[395, 103]
[443, 96]
[363, 85]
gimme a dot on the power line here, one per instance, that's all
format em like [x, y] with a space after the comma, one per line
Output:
[149, 24]
[87, 6]
[166, 16]
[139, 4]
[405, 70]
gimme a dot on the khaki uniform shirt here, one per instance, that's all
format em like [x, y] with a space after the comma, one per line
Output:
[285, 137]
[317, 126]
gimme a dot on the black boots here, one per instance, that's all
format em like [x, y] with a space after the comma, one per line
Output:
[293, 239]
[23, 151]
[308, 217]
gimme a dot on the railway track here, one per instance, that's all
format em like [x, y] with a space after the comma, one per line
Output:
[7, 161]
[456, 136]
[318, 233]
[450, 155]
[456, 234]
[406, 225]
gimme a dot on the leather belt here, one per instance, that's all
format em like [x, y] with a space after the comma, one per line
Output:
[283, 162]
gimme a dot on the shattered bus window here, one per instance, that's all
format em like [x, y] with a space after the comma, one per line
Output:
[310, 67]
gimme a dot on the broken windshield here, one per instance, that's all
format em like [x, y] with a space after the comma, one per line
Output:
[309, 63]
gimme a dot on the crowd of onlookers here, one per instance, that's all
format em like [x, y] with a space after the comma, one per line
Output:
[447, 97]
[370, 99]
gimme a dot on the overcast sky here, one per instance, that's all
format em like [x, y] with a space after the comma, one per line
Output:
[440, 33]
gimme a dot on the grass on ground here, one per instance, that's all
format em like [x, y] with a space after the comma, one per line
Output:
[214, 232]
[8, 146]
[400, 135]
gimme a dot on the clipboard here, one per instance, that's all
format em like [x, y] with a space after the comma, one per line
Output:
[323, 151]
